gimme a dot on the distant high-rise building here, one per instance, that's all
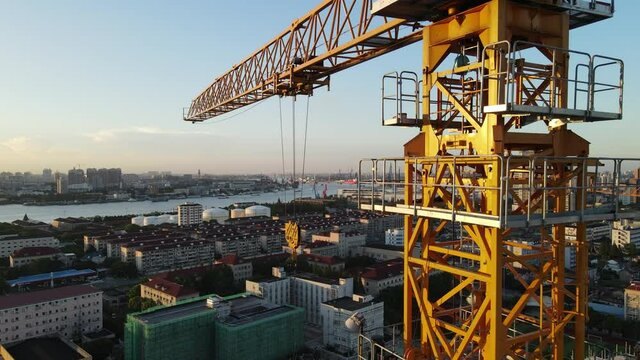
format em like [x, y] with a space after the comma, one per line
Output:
[93, 178]
[47, 175]
[61, 183]
[113, 179]
[189, 214]
[76, 176]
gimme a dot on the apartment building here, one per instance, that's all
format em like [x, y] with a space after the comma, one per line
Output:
[625, 232]
[275, 289]
[242, 270]
[189, 214]
[382, 275]
[69, 311]
[11, 243]
[347, 242]
[166, 292]
[156, 258]
[27, 255]
[334, 314]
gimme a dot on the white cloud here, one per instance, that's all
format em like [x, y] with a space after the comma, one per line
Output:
[19, 144]
[109, 134]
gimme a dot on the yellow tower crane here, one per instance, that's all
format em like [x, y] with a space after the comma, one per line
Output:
[490, 67]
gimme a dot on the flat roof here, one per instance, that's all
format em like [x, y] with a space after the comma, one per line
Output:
[30, 279]
[35, 297]
[316, 278]
[347, 303]
[162, 314]
[43, 349]
[248, 308]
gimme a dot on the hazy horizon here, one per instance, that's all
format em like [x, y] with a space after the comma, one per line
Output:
[103, 84]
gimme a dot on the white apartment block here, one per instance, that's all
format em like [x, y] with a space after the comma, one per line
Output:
[382, 275]
[594, 231]
[27, 255]
[153, 259]
[242, 270]
[336, 312]
[625, 232]
[394, 237]
[69, 311]
[303, 290]
[347, 242]
[310, 291]
[189, 214]
[241, 245]
[276, 289]
[632, 302]
[11, 243]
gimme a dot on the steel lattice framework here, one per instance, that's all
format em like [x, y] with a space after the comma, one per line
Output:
[334, 36]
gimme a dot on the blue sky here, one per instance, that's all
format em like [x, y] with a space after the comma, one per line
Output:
[103, 83]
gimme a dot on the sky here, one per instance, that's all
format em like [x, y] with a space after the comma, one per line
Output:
[103, 84]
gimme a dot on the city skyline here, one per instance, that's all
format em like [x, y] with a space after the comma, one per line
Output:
[90, 83]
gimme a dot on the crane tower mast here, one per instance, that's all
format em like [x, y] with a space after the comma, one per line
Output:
[467, 166]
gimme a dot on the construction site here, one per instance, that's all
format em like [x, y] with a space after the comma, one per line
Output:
[491, 69]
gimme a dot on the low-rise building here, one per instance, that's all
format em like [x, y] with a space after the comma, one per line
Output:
[308, 291]
[55, 347]
[166, 292]
[209, 327]
[27, 255]
[347, 241]
[156, 258]
[632, 301]
[394, 237]
[69, 311]
[382, 275]
[335, 312]
[304, 290]
[242, 270]
[11, 243]
[625, 232]
[325, 263]
[69, 223]
[275, 289]
[320, 248]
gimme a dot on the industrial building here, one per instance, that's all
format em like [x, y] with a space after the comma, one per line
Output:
[210, 327]
[69, 311]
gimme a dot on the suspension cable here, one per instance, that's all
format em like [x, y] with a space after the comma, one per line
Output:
[293, 120]
[282, 152]
[304, 151]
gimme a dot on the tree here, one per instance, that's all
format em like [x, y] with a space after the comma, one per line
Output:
[123, 270]
[4, 287]
[630, 250]
[131, 228]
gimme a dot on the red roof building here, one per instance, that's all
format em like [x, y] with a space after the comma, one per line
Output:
[165, 292]
[27, 255]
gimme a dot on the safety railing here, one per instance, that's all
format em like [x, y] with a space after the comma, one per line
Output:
[549, 81]
[528, 190]
[401, 99]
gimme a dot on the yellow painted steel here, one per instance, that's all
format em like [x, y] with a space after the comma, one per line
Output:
[483, 327]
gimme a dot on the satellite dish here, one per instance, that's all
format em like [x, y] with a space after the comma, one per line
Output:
[355, 322]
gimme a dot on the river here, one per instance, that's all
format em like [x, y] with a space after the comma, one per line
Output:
[9, 213]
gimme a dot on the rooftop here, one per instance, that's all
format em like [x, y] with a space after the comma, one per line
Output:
[384, 270]
[30, 279]
[34, 251]
[329, 260]
[161, 314]
[316, 278]
[635, 286]
[35, 297]
[248, 308]
[347, 303]
[170, 288]
[52, 348]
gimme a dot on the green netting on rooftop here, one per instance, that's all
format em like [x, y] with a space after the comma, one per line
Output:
[269, 339]
[178, 337]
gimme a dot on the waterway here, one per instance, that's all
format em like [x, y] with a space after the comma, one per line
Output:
[46, 214]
